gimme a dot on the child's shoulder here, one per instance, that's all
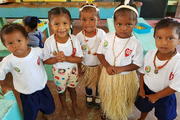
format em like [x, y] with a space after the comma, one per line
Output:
[49, 39]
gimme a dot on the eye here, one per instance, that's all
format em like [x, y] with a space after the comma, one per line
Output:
[170, 38]
[129, 24]
[119, 24]
[83, 20]
[157, 37]
[19, 40]
[92, 19]
[65, 23]
[10, 43]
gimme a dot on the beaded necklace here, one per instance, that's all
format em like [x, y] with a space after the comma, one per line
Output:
[157, 68]
[93, 46]
[116, 56]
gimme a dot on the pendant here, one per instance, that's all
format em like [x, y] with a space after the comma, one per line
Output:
[89, 52]
[156, 71]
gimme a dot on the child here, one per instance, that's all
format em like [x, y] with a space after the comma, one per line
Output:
[63, 50]
[29, 75]
[121, 55]
[90, 38]
[160, 73]
[35, 36]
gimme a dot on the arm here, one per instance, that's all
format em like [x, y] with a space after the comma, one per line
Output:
[52, 60]
[103, 60]
[130, 67]
[163, 93]
[73, 59]
[110, 69]
[141, 87]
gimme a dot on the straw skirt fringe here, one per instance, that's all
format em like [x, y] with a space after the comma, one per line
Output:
[91, 76]
[117, 94]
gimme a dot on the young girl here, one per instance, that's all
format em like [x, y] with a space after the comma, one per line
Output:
[120, 54]
[64, 52]
[36, 37]
[160, 73]
[90, 38]
[29, 75]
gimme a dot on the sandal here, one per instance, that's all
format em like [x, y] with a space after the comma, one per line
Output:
[97, 102]
[89, 100]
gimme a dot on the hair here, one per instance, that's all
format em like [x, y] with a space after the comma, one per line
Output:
[31, 22]
[58, 11]
[123, 10]
[89, 8]
[10, 28]
[168, 22]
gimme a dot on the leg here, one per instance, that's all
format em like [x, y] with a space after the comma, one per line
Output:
[73, 97]
[89, 96]
[62, 97]
[143, 115]
[30, 106]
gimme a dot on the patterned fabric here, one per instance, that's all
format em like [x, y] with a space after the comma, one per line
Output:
[65, 78]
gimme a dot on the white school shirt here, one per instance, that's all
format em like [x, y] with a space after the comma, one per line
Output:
[132, 54]
[50, 48]
[169, 75]
[28, 72]
[93, 44]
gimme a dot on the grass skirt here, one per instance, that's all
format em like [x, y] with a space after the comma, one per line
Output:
[91, 76]
[117, 94]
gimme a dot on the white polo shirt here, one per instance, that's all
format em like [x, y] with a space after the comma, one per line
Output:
[91, 44]
[131, 54]
[28, 72]
[169, 75]
[50, 48]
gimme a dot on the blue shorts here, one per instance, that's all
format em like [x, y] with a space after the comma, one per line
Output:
[165, 108]
[41, 100]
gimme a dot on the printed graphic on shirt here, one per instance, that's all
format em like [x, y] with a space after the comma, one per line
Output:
[171, 76]
[105, 43]
[128, 52]
[84, 47]
[38, 61]
[148, 69]
[16, 69]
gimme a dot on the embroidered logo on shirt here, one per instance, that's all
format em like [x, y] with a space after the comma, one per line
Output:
[171, 76]
[148, 69]
[84, 47]
[38, 61]
[128, 52]
[105, 43]
[17, 69]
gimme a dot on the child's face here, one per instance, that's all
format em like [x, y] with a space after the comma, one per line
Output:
[124, 25]
[89, 21]
[16, 43]
[166, 39]
[60, 25]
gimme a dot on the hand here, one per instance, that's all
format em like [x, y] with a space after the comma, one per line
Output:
[142, 93]
[5, 90]
[152, 97]
[118, 70]
[60, 56]
[110, 70]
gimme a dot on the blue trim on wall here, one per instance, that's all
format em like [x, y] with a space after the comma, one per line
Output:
[43, 12]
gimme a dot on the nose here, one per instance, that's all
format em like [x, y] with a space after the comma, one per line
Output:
[124, 27]
[164, 42]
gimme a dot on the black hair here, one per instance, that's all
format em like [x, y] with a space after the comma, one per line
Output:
[168, 22]
[31, 22]
[10, 28]
[58, 11]
[134, 15]
[89, 8]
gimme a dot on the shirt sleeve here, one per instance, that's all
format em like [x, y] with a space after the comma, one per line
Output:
[103, 46]
[46, 51]
[77, 45]
[4, 68]
[174, 77]
[138, 56]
